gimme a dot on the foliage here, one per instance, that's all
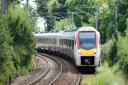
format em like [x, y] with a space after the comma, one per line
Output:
[105, 76]
[42, 10]
[122, 54]
[107, 50]
[17, 44]
[62, 24]
[21, 28]
[9, 2]
[7, 53]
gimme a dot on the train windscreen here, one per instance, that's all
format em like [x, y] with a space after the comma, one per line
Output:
[87, 40]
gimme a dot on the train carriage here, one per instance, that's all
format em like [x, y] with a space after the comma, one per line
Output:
[82, 45]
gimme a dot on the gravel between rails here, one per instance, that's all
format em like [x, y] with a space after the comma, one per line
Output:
[70, 75]
[54, 73]
[41, 66]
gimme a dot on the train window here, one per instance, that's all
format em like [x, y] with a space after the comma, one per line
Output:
[87, 40]
[60, 41]
[65, 43]
[52, 39]
[44, 40]
[48, 40]
[72, 44]
[68, 43]
[55, 41]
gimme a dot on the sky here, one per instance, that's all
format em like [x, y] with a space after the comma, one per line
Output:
[32, 3]
[40, 20]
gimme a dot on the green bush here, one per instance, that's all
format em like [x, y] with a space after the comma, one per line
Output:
[105, 76]
[122, 54]
[17, 44]
[6, 53]
[21, 26]
[106, 54]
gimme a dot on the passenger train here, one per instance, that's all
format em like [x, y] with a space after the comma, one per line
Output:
[81, 45]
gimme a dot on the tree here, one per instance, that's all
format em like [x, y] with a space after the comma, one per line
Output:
[7, 53]
[50, 9]
[21, 26]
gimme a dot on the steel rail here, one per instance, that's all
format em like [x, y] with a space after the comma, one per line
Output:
[42, 75]
[79, 79]
[61, 68]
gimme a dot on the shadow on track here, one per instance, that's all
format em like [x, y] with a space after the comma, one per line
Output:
[87, 70]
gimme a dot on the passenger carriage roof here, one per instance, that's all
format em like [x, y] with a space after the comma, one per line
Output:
[70, 34]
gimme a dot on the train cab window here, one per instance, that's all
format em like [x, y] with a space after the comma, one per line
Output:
[87, 40]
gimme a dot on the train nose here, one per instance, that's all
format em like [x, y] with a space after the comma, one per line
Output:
[90, 52]
[87, 61]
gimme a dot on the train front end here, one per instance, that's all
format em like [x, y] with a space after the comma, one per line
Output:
[87, 51]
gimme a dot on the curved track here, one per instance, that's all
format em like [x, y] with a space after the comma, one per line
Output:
[36, 80]
[54, 73]
[70, 75]
[66, 74]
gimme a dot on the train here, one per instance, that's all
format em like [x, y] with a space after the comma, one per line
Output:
[81, 45]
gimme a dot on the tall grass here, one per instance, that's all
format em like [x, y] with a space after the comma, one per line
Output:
[105, 76]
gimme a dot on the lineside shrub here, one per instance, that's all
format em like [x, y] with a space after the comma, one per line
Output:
[122, 54]
[21, 25]
[106, 54]
[7, 53]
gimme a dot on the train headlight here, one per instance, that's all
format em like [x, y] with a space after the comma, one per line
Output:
[95, 51]
[79, 51]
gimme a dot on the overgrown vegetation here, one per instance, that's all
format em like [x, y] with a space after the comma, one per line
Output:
[7, 53]
[17, 46]
[122, 54]
[106, 76]
[107, 51]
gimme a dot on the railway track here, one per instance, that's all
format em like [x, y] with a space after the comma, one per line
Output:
[79, 79]
[70, 74]
[36, 80]
[57, 72]
[62, 77]
[49, 77]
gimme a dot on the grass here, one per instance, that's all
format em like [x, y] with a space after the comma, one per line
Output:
[104, 76]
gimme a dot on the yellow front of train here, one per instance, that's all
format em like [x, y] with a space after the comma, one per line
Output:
[87, 48]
